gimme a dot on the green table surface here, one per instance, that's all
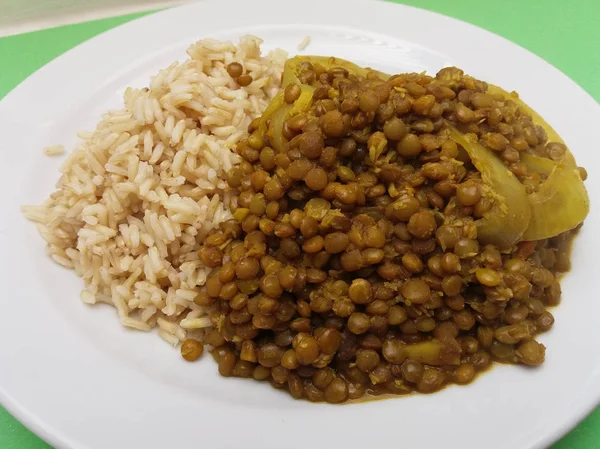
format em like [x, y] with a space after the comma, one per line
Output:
[566, 34]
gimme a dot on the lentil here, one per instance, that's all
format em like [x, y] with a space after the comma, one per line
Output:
[357, 243]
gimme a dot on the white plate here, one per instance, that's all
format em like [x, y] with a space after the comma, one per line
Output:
[79, 380]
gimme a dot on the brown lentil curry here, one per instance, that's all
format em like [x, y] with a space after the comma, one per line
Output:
[354, 266]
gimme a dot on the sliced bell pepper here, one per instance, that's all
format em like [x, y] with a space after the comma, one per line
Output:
[434, 352]
[263, 122]
[560, 203]
[509, 217]
[285, 111]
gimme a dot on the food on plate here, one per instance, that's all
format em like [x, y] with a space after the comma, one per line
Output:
[334, 230]
[392, 234]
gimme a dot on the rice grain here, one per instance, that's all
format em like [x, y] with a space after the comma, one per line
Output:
[55, 150]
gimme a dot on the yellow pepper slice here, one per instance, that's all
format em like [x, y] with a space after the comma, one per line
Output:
[434, 352]
[276, 103]
[561, 201]
[285, 111]
[508, 219]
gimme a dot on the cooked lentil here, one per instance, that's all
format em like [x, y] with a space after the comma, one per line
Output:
[358, 268]
[191, 349]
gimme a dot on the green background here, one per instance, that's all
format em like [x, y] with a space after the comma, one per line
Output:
[565, 34]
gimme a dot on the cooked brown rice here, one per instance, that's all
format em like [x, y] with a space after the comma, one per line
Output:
[305, 43]
[139, 194]
[54, 150]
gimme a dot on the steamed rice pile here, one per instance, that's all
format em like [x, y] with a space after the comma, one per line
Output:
[141, 192]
